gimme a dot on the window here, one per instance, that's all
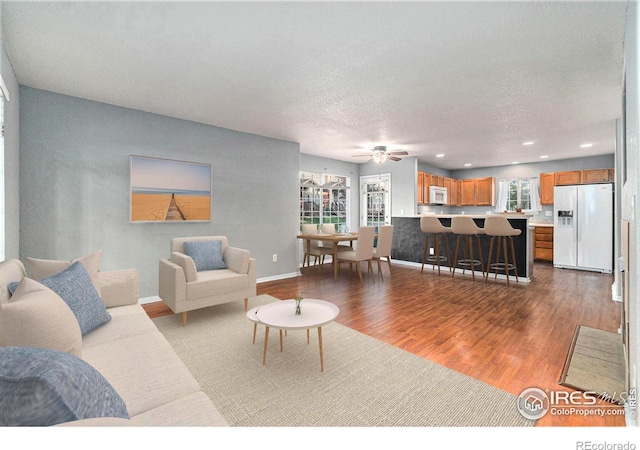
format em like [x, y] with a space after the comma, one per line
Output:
[519, 195]
[324, 199]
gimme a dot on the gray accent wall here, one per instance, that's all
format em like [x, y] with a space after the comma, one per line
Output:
[74, 186]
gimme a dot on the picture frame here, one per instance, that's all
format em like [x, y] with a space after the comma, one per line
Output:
[169, 191]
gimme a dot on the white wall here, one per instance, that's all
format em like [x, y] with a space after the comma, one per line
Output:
[630, 191]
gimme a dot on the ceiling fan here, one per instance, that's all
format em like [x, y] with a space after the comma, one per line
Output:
[380, 154]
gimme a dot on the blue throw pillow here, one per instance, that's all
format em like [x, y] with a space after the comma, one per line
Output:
[43, 387]
[207, 255]
[77, 290]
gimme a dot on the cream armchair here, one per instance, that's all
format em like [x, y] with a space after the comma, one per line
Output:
[183, 288]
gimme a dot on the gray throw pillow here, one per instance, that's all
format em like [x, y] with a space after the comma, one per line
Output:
[43, 387]
[207, 255]
[76, 288]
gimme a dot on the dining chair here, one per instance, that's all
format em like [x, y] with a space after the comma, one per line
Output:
[362, 252]
[314, 248]
[383, 247]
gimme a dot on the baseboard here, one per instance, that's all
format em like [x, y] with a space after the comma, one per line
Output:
[279, 277]
[145, 300]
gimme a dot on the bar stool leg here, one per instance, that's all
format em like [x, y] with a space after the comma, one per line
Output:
[480, 255]
[486, 278]
[513, 258]
[506, 260]
[436, 250]
[446, 244]
[497, 263]
[424, 254]
[455, 261]
[471, 260]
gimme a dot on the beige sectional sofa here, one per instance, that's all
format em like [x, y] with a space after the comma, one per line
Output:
[135, 358]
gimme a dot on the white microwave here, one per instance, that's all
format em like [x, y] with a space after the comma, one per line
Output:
[437, 195]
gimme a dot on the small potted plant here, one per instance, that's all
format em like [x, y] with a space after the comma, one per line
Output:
[299, 299]
[518, 209]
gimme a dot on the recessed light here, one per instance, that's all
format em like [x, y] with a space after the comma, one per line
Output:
[528, 143]
[467, 165]
[586, 145]
[544, 156]
[440, 155]
[515, 162]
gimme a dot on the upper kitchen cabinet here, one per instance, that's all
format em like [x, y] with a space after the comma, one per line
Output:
[485, 191]
[421, 190]
[547, 182]
[565, 178]
[453, 197]
[468, 192]
[595, 176]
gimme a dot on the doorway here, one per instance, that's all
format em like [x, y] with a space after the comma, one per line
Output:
[375, 200]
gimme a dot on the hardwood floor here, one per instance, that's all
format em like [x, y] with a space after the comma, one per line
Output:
[513, 337]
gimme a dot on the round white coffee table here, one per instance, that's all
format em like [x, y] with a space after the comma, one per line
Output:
[281, 315]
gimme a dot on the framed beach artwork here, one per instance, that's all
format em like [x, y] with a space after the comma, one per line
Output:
[164, 190]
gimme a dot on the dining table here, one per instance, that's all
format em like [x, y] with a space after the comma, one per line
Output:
[334, 238]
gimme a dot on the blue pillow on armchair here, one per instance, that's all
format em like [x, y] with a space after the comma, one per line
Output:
[207, 255]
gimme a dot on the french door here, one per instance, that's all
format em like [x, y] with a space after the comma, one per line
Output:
[375, 200]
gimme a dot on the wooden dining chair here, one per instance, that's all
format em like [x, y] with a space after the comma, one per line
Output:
[362, 252]
[383, 247]
[315, 248]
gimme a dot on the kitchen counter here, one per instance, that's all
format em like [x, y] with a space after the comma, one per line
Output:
[408, 240]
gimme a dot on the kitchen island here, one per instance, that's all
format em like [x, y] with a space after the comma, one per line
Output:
[408, 241]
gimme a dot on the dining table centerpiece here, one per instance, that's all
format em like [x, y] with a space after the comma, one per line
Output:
[298, 299]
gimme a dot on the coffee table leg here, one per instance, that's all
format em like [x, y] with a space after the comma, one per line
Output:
[266, 341]
[307, 336]
[320, 346]
[280, 341]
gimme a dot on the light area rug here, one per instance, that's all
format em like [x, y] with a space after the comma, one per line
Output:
[365, 383]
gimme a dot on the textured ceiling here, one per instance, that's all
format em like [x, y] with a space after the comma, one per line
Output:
[471, 80]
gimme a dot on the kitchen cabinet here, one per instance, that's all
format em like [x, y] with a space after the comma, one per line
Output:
[437, 180]
[447, 184]
[468, 192]
[454, 195]
[485, 190]
[594, 176]
[547, 183]
[543, 243]
[421, 199]
[566, 178]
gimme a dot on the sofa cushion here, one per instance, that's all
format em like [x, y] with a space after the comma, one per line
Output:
[207, 255]
[42, 387]
[37, 317]
[126, 321]
[143, 369]
[76, 289]
[44, 268]
[217, 282]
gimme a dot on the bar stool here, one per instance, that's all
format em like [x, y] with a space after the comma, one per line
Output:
[499, 227]
[465, 227]
[431, 226]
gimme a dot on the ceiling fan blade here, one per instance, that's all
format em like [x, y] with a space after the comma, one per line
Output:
[402, 153]
[394, 158]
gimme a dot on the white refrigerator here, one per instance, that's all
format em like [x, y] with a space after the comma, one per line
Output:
[583, 227]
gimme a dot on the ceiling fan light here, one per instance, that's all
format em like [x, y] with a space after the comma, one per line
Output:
[379, 157]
